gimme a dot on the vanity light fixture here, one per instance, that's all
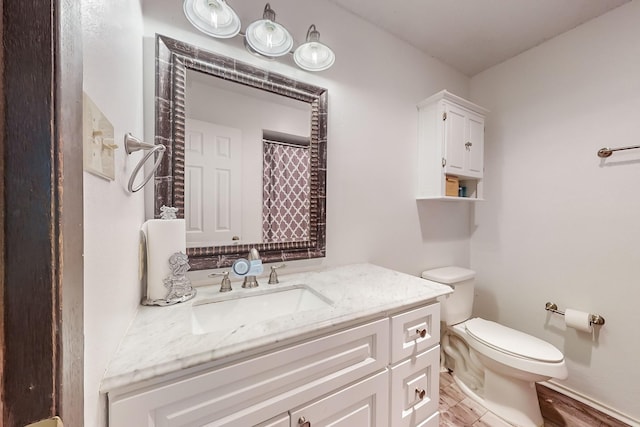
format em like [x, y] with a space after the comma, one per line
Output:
[213, 17]
[313, 55]
[265, 37]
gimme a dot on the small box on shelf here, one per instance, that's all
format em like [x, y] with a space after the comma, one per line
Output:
[470, 188]
[452, 186]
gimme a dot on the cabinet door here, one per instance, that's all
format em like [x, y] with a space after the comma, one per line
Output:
[474, 146]
[282, 420]
[279, 421]
[364, 404]
[454, 139]
[415, 389]
[432, 421]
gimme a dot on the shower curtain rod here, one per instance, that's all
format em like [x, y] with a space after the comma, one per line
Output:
[288, 144]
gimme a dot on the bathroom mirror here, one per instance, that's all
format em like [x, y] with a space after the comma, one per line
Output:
[180, 68]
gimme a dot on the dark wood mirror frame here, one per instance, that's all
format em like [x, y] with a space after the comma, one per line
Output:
[173, 59]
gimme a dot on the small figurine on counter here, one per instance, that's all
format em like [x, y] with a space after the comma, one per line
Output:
[168, 212]
[177, 283]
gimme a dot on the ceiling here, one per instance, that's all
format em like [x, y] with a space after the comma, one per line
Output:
[473, 35]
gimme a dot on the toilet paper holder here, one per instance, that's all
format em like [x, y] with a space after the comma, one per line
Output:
[594, 319]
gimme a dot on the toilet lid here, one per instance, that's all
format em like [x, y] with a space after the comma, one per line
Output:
[513, 342]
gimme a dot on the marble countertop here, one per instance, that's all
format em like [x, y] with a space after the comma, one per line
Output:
[160, 339]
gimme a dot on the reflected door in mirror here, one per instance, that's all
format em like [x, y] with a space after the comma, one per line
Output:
[213, 183]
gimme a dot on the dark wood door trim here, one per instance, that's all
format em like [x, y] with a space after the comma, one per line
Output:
[42, 276]
[2, 209]
[31, 285]
[68, 134]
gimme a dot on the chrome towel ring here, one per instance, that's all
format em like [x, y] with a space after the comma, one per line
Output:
[133, 144]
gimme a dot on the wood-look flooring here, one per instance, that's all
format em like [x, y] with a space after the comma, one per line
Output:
[558, 410]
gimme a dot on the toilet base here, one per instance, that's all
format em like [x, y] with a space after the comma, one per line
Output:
[509, 389]
[521, 413]
[515, 401]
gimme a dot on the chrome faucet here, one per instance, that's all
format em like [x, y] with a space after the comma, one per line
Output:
[273, 277]
[225, 285]
[251, 281]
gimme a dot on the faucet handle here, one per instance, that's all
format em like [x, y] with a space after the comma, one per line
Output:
[225, 285]
[273, 276]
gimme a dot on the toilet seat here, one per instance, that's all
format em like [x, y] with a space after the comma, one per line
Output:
[512, 342]
[489, 345]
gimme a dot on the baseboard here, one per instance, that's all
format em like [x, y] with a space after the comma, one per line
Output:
[591, 403]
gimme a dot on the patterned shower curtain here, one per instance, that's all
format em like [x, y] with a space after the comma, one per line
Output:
[285, 206]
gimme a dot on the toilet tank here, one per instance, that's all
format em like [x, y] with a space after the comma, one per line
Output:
[456, 307]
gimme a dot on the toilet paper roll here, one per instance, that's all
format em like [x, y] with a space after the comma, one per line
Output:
[164, 238]
[578, 320]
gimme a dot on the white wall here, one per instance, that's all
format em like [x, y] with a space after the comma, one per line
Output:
[558, 225]
[112, 53]
[374, 86]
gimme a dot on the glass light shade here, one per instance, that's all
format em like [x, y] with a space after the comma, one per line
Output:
[213, 17]
[267, 37]
[313, 55]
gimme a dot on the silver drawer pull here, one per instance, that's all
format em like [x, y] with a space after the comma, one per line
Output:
[422, 332]
[421, 393]
[302, 422]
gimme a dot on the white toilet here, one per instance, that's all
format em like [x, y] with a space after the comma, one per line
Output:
[495, 365]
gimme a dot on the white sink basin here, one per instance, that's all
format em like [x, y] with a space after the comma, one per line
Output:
[233, 311]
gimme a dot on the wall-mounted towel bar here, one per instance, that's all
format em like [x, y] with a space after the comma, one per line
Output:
[606, 152]
[133, 144]
[595, 319]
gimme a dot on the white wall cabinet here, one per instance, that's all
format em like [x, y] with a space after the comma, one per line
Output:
[384, 372]
[450, 142]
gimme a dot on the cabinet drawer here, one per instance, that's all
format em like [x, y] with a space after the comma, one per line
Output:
[432, 421]
[415, 389]
[248, 392]
[361, 404]
[406, 330]
[281, 420]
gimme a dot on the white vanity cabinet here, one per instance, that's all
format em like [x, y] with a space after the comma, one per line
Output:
[381, 372]
[450, 143]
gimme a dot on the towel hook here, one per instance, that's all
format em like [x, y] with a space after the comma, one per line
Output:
[133, 144]
[606, 151]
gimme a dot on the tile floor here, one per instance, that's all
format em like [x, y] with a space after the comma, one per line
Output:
[458, 410]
